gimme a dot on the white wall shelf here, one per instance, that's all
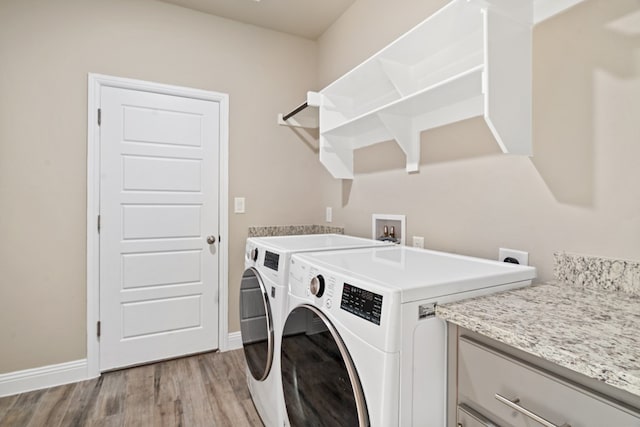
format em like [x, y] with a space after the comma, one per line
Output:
[471, 58]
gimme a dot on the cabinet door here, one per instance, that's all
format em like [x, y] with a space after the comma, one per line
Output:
[485, 374]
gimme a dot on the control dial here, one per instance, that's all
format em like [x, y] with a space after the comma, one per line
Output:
[254, 255]
[316, 286]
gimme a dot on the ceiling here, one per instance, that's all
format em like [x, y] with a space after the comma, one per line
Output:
[305, 18]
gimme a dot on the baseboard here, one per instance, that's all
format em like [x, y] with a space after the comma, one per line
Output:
[64, 373]
[42, 377]
[234, 341]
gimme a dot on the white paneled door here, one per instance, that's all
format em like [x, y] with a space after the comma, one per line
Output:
[158, 226]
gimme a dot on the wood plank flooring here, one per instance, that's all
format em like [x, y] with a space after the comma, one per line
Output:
[202, 390]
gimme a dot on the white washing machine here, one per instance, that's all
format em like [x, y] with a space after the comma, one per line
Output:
[263, 302]
[373, 352]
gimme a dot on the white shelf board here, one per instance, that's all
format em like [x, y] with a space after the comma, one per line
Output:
[446, 27]
[451, 91]
[458, 98]
[450, 38]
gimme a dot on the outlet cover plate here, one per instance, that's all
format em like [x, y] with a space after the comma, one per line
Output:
[521, 256]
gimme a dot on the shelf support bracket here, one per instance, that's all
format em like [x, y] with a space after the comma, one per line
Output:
[336, 154]
[407, 137]
[298, 118]
[400, 76]
[507, 82]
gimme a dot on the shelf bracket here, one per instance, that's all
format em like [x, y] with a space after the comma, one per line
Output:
[400, 76]
[509, 80]
[336, 154]
[407, 137]
[305, 115]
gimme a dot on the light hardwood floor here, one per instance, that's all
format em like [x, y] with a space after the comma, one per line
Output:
[202, 390]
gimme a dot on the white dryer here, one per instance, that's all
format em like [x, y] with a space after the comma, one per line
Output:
[373, 352]
[263, 302]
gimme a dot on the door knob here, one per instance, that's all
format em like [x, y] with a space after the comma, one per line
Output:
[211, 240]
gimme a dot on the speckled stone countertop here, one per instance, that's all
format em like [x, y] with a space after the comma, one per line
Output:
[289, 230]
[591, 327]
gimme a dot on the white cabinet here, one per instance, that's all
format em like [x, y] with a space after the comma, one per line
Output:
[504, 391]
[471, 58]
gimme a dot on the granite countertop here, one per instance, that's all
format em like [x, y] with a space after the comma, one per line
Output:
[289, 230]
[590, 330]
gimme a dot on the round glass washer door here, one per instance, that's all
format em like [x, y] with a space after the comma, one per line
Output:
[256, 324]
[320, 382]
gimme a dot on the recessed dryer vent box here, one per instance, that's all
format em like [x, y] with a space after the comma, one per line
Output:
[388, 228]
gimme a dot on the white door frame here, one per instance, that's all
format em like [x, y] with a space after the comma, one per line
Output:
[96, 82]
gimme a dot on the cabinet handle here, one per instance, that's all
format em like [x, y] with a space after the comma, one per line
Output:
[513, 404]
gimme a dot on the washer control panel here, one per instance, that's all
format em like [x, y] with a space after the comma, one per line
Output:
[362, 303]
[366, 309]
[271, 260]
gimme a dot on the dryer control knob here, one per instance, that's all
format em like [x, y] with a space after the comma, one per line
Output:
[254, 254]
[317, 285]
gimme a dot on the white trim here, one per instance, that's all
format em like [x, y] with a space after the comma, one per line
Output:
[234, 341]
[42, 377]
[93, 242]
[545, 9]
[223, 218]
[95, 82]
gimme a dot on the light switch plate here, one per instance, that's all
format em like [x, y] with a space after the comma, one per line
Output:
[238, 205]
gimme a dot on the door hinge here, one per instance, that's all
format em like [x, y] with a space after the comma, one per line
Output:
[99, 327]
[98, 223]
[99, 116]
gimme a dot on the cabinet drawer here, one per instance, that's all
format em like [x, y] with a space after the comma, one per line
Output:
[484, 373]
[467, 417]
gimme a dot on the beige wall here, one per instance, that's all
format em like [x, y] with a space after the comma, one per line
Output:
[578, 193]
[46, 50]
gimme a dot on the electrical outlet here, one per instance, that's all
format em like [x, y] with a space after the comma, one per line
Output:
[238, 205]
[418, 242]
[521, 256]
[328, 216]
